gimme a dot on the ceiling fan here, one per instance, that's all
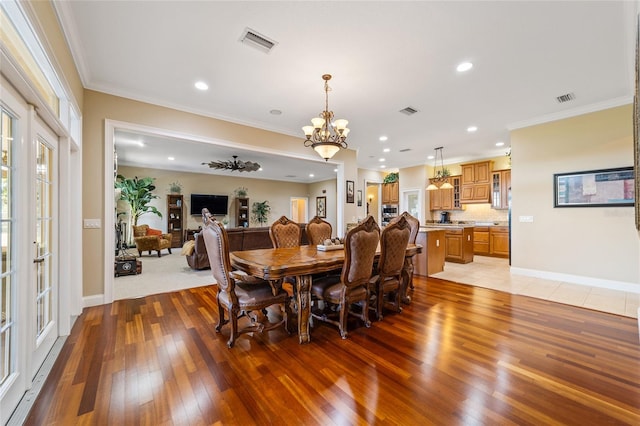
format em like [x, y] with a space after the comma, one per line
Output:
[242, 166]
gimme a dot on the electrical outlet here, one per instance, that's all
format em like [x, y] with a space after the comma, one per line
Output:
[92, 223]
[526, 218]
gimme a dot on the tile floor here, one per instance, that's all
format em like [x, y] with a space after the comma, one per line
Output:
[491, 272]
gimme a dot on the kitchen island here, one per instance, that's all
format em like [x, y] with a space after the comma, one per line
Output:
[431, 259]
[458, 241]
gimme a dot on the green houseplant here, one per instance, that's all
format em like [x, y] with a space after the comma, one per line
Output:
[260, 211]
[391, 177]
[138, 194]
[175, 187]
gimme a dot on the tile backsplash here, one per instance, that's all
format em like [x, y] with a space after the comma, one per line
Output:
[476, 213]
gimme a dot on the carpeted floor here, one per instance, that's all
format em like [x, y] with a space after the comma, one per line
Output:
[160, 275]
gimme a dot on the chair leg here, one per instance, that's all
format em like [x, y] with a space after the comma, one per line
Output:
[233, 319]
[379, 302]
[159, 254]
[344, 313]
[169, 250]
[139, 253]
[221, 320]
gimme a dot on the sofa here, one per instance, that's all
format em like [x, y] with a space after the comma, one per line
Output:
[240, 239]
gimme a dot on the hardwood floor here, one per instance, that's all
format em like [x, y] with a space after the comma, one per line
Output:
[457, 355]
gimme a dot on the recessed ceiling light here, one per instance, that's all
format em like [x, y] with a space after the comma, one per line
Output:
[430, 157]
[383, 138]
[499, 143]
[381, 160]
[386, 150]
[171, 158]
[275, 112]
[464, 66]
[201, 85]
[311, 175]
[335, 170]
[260, 169]
[382, 166]
[472, 129]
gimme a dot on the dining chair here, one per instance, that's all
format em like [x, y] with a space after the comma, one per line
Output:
[318, 231]
[351, 286]
[285, 233]
[414, 224]
[388, 275]
[239, 298]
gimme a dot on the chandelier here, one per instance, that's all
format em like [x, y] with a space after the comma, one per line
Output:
[242, 166]
[326, 136]
[440, 178]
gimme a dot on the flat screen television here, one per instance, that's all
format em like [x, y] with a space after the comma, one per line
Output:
[217, 204]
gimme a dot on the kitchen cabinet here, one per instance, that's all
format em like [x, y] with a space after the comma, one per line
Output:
[391, 193]
[491, 241]
[431, 259]
[459, 245]
[242, 212]
[500, 189]
[476, 182]
[481, 240]
[446, 199]
[175, 219]
[499, 241]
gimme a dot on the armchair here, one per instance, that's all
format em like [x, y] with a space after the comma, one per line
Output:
[150, 239]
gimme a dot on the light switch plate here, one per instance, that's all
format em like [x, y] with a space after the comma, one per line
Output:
[526, 218]
[92, 223]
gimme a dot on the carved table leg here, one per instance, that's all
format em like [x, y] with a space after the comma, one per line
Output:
[303, 284]
[407, 275]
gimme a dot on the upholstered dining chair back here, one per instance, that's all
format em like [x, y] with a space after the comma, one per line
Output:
[318, 231]
[217, 243]
[360, 246]
[414, 224]
[393, 245]
[285, 233]
[388, 280]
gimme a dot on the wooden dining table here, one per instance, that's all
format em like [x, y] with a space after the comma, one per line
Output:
[302, 262]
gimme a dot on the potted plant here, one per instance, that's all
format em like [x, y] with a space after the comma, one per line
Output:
[241, 192]
[391, 177]
[138, 194]
[260, 210]
[175, 187]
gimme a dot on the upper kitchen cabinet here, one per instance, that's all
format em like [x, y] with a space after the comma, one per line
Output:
[391, 193]
[476, 182]
[500, 188]
[446, 199]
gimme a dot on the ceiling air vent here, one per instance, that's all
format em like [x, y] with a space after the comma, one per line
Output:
[405, 150]
[257, 40]
[566, 98]
[409, 110]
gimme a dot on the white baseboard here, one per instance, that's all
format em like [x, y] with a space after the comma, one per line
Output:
[95, 300]
[578, 279]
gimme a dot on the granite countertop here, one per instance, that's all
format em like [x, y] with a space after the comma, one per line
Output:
[466, 224]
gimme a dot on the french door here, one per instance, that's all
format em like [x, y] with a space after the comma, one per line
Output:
[29, 241]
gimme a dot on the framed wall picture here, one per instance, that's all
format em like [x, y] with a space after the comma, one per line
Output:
[595, 188]
[321, 206]
[359, 198]
[350, 191]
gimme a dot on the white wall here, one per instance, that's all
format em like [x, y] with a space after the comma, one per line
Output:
[591, 245]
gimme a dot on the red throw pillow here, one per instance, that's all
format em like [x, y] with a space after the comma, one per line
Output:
[151, 231]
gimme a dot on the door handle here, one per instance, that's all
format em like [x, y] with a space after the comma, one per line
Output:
[39, 260]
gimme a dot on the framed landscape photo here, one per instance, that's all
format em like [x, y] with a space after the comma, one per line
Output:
[321, 206]
[595, 188]
[359, 198]
[350, 191]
